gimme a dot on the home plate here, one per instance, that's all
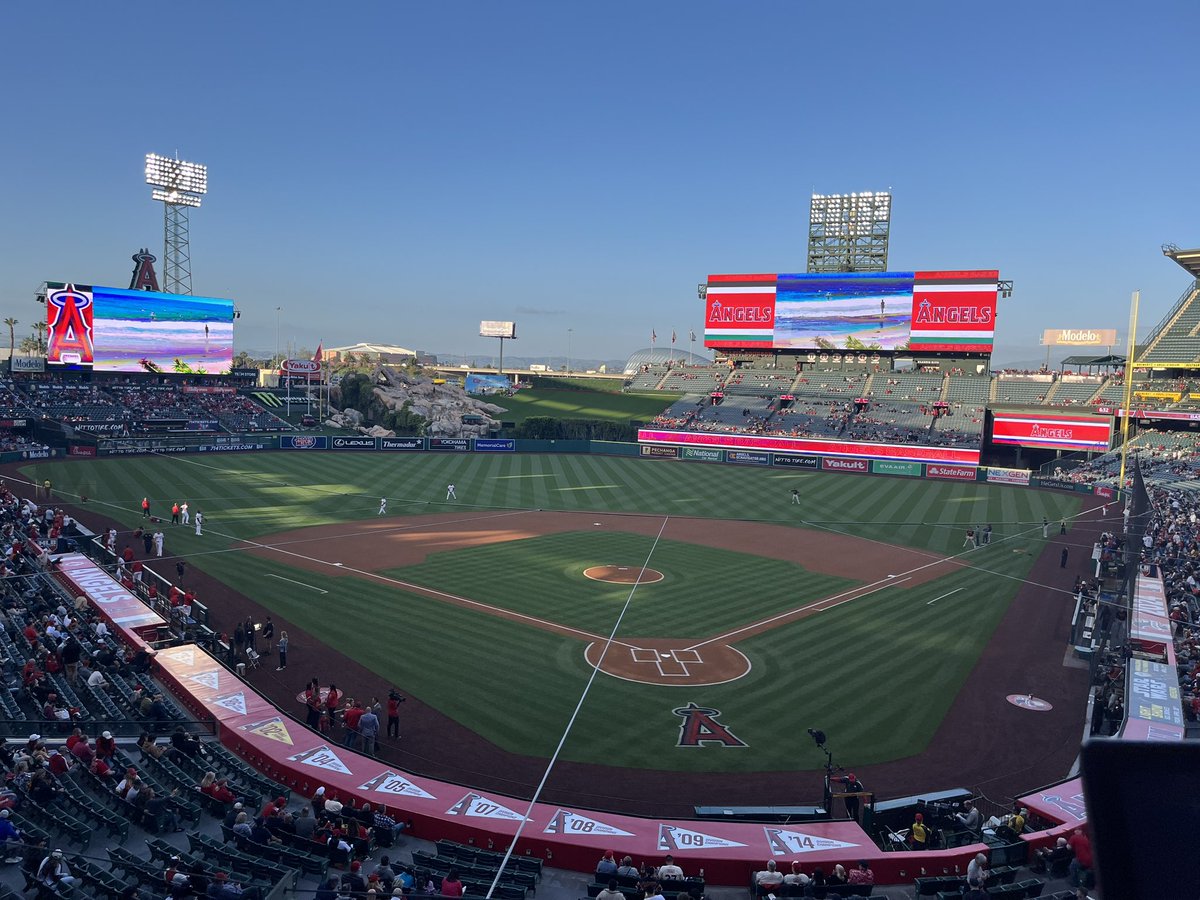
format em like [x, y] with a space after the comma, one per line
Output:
[597, 524]
[665, 655]
[339, 564]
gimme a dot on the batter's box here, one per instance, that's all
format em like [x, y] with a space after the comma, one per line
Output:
[643, 654]
[687, 656]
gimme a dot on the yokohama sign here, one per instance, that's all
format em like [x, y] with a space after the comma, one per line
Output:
[1053, 432]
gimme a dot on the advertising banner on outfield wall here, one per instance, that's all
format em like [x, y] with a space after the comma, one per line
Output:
[950, 473]
[892, 467]
[401, 443]
[657, 452]
[997, 475]
[747, 457]
[495, 445]
[855, 466]
[450, 445]
[795, 461]
[352, 443]
[703, 454]
[911, 452]
[303, 442]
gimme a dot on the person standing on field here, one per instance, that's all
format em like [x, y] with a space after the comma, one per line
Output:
[795, 495]
[1045, 527]
[184, 515]
[382, 507]
[158, 543]
[283, 648]
[199, 522]
[450, 495]
[145, 507]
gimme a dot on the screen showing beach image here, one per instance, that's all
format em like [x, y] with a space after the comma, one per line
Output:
[145, 331]
[858, 311]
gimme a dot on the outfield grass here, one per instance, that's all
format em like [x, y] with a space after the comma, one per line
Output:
[582, 404]
[849, 671]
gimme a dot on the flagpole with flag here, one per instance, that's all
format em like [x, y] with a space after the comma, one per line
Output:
[692, 339]
[671, 354]
[319, 359]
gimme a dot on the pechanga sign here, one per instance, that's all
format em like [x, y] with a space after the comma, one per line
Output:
[303, 442]
[654, 450]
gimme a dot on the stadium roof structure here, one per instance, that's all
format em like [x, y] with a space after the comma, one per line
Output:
[660, 356]
[1189, 260]
[373, 349]
[1108, 359]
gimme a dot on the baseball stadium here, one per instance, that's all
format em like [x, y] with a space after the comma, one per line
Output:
[841, 596]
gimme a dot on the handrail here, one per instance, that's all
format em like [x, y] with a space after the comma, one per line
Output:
[1157, 332]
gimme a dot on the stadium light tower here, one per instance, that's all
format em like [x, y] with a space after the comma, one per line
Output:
[849, 232]
[179, 186]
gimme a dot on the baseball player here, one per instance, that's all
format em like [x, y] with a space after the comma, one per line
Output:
[450, 495]
[382, 507]
[199, 522]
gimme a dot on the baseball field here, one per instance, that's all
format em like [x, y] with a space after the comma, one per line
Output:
[858, 610]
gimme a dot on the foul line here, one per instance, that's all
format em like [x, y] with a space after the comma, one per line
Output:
[943, 597]
[301, 583]
[537, 794]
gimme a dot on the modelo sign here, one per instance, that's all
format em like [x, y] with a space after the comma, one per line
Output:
[1092, 433]
[300, 367]
[1079, 337]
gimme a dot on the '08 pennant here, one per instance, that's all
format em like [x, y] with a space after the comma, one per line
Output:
[567, 822]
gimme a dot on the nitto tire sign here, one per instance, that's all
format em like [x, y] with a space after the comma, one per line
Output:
[303, 442]
[793, 461]
[353, 443]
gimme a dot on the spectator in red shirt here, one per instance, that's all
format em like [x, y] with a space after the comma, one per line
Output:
[350, 717]
[1082, 848]
[127, 554]
[393, 715]
[106, 745]
[83, 751]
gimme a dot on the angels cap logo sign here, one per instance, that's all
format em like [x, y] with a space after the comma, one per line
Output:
[700, 726]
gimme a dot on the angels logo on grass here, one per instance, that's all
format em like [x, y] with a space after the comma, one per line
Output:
[208, 679]
[321, 757]
[187, 657]
[235, 702]
[567, 822]
[700, 726]
[391, 783]
[785, 842]
[475, 806]
[273, 729]
[672, 837]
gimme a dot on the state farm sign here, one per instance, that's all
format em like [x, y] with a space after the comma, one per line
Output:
[301, 366]
[953, 473]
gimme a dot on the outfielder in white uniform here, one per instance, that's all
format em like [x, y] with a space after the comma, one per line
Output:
[199, 522]
[382, 506]
[450, 495]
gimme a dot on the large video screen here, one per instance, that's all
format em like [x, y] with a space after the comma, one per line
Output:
[951, 311]
[117, 330]
[1053, 432]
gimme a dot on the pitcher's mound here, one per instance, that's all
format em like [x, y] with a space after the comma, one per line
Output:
[623, 574]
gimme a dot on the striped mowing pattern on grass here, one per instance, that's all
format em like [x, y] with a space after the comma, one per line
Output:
[845, 669]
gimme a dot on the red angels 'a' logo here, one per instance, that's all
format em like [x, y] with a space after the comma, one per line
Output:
[700, 726]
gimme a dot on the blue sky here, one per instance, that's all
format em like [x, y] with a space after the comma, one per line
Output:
[397, 172]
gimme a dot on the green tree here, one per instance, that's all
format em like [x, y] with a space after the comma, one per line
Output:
[12, 336]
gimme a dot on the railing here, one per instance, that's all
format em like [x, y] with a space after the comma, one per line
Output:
[58, 729]
[1158, 330]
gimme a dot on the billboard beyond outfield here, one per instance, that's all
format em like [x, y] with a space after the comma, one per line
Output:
[923, 311]
[116, 330]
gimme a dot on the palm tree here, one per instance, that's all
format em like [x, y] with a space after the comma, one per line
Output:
[12, 337]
